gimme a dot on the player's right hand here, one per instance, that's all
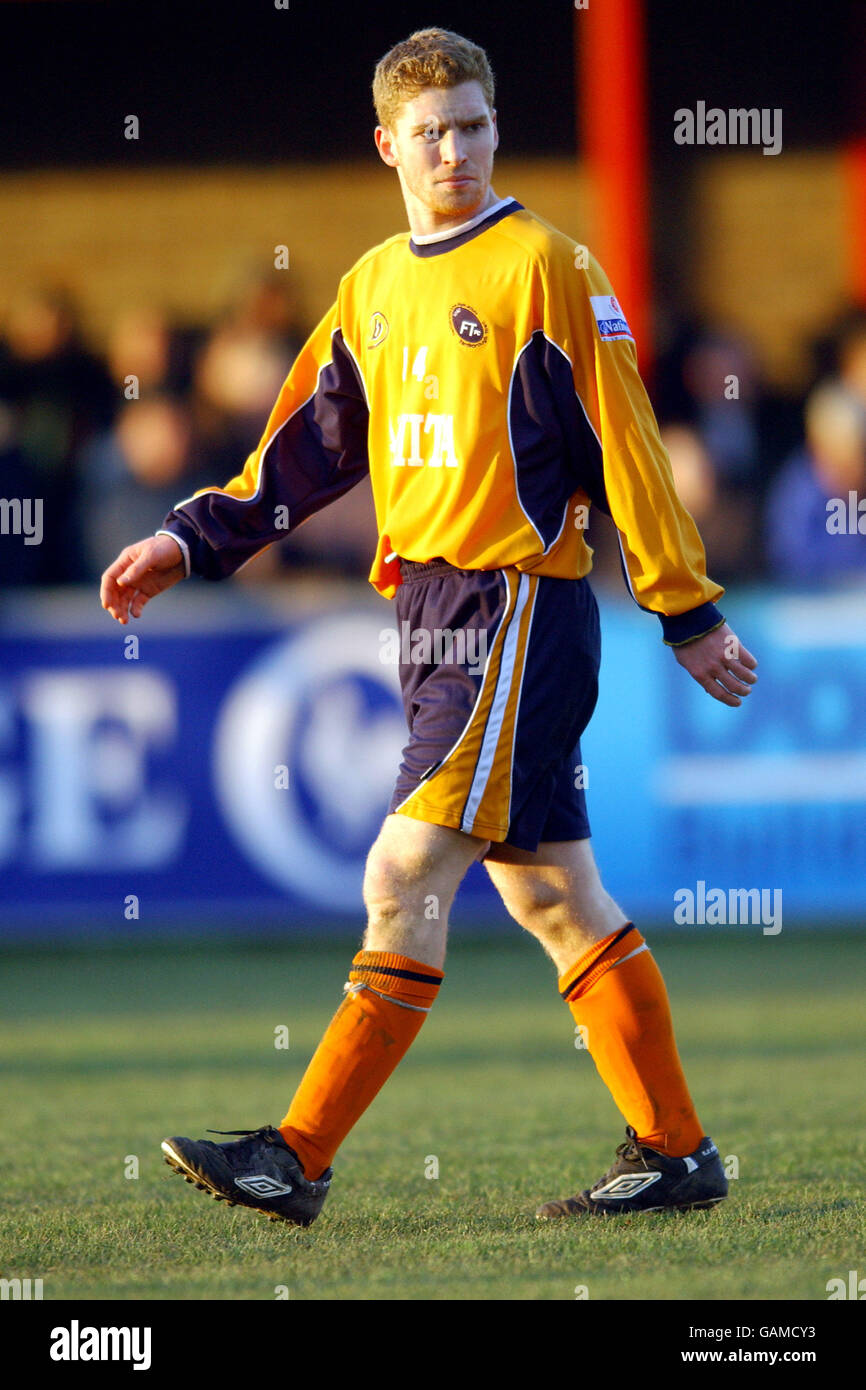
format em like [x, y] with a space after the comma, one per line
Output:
[141, 571]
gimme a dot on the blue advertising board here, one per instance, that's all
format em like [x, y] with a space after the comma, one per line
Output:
[768, 796]
[228, 760]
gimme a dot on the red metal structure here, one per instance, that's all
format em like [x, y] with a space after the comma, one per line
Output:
[610, 70]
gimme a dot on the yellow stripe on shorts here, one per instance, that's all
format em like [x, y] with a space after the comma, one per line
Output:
[471, 788]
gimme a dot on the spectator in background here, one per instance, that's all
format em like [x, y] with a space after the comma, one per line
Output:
[135, 469]
[236, 379]
[711, 379]
[240, 366]
[839, 351]
[71, 435]
[267, 302]
[60, 395]
[851, 353]
[143, 343]
[238, 372]
[727, 520]
[720, 374]
[801, 544]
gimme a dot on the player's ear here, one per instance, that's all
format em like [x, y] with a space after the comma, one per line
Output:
[495, 129]
[385, 145]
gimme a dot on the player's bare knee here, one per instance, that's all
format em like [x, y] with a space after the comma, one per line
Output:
[403, 927]
[385, 906]
[391, 882]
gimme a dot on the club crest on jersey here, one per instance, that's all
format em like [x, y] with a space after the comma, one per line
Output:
[611, 320]
[470, 329]
[378, 330]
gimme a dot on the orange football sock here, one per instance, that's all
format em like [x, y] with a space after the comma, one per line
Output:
[388, 999]
[616, 993]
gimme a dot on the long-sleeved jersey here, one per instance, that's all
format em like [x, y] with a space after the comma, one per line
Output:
[487, 381]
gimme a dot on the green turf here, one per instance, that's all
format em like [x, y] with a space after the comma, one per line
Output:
[105, 1053]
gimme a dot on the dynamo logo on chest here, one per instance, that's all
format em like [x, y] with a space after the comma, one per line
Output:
[611, 320]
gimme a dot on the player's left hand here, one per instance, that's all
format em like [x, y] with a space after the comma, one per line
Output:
[720, 663]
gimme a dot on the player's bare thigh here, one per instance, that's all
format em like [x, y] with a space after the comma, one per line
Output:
[413, 871]
[557, 895]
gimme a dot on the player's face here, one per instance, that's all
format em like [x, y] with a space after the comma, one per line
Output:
[442, 146]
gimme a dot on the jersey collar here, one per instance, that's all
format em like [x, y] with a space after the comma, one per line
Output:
[439, 242]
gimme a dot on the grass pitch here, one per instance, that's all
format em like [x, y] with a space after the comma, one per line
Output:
[106, 1052]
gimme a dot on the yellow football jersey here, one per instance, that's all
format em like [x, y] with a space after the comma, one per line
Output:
[487, 380]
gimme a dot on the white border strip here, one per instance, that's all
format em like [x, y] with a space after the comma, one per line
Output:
[497, 712]
[467, 726]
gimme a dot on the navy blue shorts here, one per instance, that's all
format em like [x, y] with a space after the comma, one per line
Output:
[499, 674]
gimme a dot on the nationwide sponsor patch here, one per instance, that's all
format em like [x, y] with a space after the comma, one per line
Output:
[611, 320]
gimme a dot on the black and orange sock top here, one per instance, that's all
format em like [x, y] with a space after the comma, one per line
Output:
[589, 969]
[387, 1000]
[617, 996]
[402, 979]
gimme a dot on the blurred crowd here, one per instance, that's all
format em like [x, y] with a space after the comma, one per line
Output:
[760, 471]
[111, 441]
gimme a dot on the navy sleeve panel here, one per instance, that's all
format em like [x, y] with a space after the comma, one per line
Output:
[555, 448]
[556, 452]
[313, 458]
[686, 627]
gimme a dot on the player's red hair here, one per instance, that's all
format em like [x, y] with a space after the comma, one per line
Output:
[428, 58]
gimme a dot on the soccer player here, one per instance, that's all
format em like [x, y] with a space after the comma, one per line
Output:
[480, 368]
